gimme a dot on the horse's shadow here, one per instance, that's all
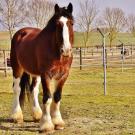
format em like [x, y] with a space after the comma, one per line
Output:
[9, 125]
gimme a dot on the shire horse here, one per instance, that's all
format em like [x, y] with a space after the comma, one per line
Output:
[44, 55]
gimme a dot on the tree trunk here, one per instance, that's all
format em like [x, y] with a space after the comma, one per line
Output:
[10, 34]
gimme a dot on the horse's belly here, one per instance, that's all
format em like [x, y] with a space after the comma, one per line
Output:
[27, 59]
[31, 71]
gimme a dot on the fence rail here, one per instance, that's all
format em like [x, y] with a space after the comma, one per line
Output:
[93, 57]
[4, 61]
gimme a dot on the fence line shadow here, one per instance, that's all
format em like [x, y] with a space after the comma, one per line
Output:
[7, 124]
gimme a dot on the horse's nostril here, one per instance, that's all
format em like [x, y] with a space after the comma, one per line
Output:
[66, 52]
[69, 50]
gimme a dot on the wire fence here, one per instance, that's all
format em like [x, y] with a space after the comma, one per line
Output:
[5, 61]
[116, 57]
[87, 70]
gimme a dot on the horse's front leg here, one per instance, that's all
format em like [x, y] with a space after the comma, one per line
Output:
[36, 110]
[55, 108]
[46, 121]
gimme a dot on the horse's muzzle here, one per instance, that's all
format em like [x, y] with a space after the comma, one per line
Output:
[66, 53]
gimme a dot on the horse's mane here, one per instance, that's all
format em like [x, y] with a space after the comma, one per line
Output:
[51, 25]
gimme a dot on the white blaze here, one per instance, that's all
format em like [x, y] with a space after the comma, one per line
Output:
[65, 34]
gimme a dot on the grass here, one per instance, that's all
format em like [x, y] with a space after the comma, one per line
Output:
[84, 107]
[95, 39]
[4, 40]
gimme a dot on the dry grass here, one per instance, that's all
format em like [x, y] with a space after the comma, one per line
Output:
[84, 108]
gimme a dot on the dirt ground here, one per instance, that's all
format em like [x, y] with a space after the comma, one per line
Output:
[85, 110]
[88, 118]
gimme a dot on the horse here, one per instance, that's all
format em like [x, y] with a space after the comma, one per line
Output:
[44, 55]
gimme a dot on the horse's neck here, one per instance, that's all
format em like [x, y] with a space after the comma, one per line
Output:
[49, 40]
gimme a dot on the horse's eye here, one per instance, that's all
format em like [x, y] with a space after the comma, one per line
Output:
[71, 23]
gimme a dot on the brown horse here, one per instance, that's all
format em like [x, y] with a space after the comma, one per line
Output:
[45, 54]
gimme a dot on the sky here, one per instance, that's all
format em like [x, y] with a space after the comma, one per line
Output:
[128, 6]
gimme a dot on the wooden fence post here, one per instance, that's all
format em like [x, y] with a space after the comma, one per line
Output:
[106, 57]
[122, 57]
[80, 58]
[131, 54]
[92, 52]
[5, 63]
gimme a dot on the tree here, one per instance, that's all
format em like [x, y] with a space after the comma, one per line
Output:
[40, 12]
[113, 20]
[131, 24]
[12, 14]
[85, 18]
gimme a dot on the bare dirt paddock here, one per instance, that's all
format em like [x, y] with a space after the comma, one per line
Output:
[84, 108]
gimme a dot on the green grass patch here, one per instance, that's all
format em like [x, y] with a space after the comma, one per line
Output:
[94, 39]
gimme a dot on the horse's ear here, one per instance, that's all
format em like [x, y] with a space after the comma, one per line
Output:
[56, 8]
[70, 8]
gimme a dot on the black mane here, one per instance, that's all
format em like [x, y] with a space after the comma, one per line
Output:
[62, 12]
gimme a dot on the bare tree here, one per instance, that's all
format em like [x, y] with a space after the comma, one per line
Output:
[39, 12]
[114, 21]
[12, 14]
[85, 18]
[131, 24]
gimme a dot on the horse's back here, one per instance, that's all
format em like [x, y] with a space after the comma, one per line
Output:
[25, 33]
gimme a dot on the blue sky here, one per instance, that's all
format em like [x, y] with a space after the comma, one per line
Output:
[128, 6]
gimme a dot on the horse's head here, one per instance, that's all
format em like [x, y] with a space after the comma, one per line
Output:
[64, 28]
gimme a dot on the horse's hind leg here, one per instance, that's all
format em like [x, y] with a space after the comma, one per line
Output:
[17, 115]
[36, 110]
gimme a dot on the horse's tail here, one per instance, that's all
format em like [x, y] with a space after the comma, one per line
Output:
[25, 85]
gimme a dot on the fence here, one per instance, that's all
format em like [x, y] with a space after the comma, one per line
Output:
[120, 57]
[5, 61]
[117, 57]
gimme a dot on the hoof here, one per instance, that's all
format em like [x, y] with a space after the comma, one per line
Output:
[59, 124]
[37, 114]
[47, 132]
[59, 127]
[46, 126]
[17, 117]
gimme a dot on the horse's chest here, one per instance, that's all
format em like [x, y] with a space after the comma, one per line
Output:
[57, 71]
